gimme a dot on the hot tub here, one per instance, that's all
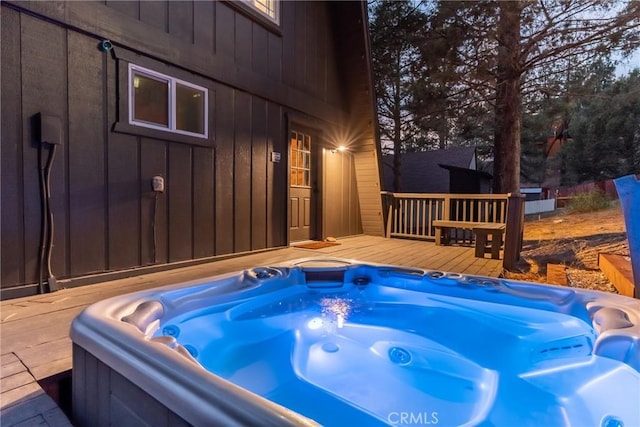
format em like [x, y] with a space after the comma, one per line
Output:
[339, 342]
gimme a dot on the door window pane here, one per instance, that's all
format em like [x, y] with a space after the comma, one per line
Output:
[300, 159]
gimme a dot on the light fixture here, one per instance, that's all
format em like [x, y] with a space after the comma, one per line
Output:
[340, 148]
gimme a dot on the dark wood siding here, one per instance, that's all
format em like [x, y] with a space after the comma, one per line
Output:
[12, 264]
[242, 173]
[258, 174]
[299, 46]
[42, 45]
[181, 20]
[153, 162]
[259, 49]
[203, 23]
[154, 13]
[203, 203]
[180, 199]
[225, 25]
[86, 157]
[224, 171]
[222, 196]
[124, 206]
[277, 174]
[243, 37]
[129, 8]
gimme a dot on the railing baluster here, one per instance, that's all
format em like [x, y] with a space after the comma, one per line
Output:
[396, 207]
[411, 216]
[424, 218]
[404, 215]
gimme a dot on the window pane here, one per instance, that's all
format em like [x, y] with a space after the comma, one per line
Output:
[190, 109]
[306, 181]
[268, 7]
[150, 100]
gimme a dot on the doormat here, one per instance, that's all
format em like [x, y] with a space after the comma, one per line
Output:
[316, 245]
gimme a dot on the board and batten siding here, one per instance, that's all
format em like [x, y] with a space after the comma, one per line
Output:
[368, 181]
[223, 196]
[340, 195]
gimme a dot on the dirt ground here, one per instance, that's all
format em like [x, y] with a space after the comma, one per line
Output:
[573, 240]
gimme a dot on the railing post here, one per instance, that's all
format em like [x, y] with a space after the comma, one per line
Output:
[389, 219]
[388, 199]
[446, 207]
[514, 230]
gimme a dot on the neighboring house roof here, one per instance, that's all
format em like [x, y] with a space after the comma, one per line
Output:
[421, 172]
[474, 172]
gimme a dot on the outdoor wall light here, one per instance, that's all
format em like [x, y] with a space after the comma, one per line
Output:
[105, 45]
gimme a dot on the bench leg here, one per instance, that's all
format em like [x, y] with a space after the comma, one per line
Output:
[496, 242]
[446, 235]
[438, 236]
[481, 242]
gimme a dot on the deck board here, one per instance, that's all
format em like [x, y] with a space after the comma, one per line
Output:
[35, 330]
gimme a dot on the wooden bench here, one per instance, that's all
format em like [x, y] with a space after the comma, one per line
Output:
[481, 230]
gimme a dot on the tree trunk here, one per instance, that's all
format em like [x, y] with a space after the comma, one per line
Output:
[444, 131]
[397, 134]
[397, 163]
[508, 109]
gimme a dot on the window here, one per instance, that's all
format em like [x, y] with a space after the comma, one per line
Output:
[300, 159]
[268, 8]
[158, 101]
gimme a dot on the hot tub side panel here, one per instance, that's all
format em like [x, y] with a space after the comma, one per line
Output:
[103, 397]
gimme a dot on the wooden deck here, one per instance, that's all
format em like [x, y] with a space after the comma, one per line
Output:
[35, 340]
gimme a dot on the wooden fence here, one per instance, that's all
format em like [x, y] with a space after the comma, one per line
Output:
[411, 215]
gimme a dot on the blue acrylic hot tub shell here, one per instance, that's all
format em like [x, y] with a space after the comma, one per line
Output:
[423, 345]
[628, 188]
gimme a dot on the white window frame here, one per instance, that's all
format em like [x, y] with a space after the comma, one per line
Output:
[172, 82]
[276, 9]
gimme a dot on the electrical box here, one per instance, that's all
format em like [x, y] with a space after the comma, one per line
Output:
[50, 129]
[157, 183]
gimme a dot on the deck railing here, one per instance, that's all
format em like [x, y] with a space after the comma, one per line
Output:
[411, 215]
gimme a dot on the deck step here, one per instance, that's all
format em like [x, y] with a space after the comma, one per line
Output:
[618, 270]
[557, 274]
